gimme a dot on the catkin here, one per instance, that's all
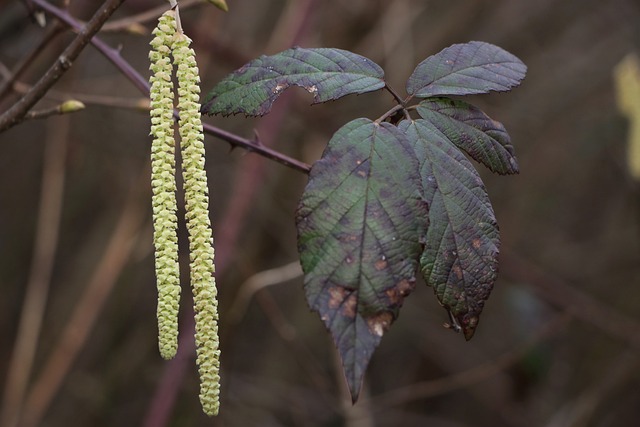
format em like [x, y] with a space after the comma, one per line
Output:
[202, 267]
[163, 183]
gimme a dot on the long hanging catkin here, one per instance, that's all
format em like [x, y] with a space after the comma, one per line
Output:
[163, 183]
[198, 224]
[170, 41]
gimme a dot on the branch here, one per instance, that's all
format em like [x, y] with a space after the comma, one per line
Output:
[13, 116]
[66, 107]
[27, 59]
[141, 83]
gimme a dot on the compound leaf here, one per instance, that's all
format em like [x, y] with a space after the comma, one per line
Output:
[466, 69]
[327, 74]
[471, 130]
[460, 255]
[360, 224]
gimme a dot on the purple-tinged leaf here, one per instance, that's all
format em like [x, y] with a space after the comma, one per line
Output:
[327, 74]
[460, 256]
[471, 130]
[360, 224]
[466, 69]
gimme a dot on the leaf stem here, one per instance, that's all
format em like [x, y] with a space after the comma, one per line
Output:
[390, 113]
[395, 94]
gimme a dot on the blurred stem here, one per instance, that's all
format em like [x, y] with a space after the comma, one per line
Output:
[460, 380]
[559, 293]
[46, 239]
[88, 307]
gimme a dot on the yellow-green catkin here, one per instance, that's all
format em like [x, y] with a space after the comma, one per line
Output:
[163, 183]
[627, 79]
[198, 224]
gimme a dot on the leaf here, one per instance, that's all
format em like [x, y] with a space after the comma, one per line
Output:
[471, 130]
[466, 69]
[327, 74]
[460, 256]
[360, 223]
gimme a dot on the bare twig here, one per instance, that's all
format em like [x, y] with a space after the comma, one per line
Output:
[46, 239]
[27, 59]
[147, 16]
[260, 281]
[141, 104]
[66, 107]
[141, 83]
[62, 64]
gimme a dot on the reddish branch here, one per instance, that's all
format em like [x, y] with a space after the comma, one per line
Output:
[141, 83]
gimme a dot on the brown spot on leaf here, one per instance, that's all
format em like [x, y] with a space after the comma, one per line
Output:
[457, 271]
[469, 324]
[349, 306]
[381, 264]
[343, 299]
[279, 88]
[337, 294]
[397, 293]
[476, 243]
[379, 324]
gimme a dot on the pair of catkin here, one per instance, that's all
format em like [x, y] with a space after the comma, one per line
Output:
[170, 42]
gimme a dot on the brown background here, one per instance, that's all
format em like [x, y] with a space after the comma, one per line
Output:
[557, 344]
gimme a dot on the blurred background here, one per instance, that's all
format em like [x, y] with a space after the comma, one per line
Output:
[558, 343]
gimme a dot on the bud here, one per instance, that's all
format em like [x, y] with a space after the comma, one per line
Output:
[71, 106]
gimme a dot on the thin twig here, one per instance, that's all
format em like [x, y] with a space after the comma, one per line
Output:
[147, 16]
[63, 63]
[27, 59]
[141, 104]
[64, 108]
[141, 83]
[258, 282]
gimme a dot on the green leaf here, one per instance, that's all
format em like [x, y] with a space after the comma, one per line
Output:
[466, 69]
[327, 74]
[471, 130]
[360, 224]
[460, 256]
